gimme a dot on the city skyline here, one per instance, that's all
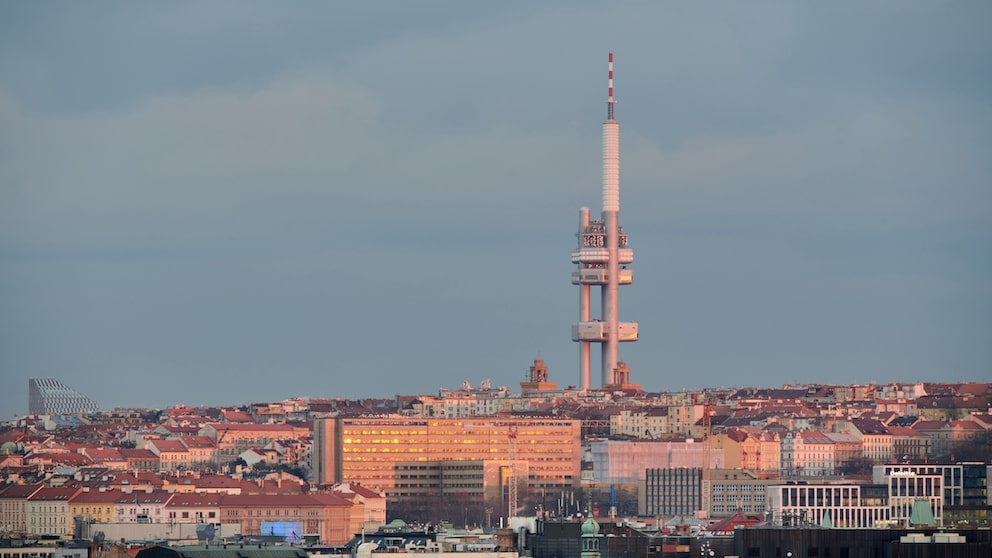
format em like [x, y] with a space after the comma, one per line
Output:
[227, 203]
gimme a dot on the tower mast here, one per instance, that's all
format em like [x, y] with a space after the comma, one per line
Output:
[611, 218]
[602, 256]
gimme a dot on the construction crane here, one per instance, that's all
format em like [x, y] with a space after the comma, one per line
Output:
[707, 438]
[512, 481]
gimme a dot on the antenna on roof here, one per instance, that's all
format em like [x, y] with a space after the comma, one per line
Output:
[609, 100]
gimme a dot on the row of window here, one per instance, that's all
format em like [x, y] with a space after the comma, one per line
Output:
[48, 520]
[185, 515]
[742, 498]
[269, 513]
[738, 488]
[745, 509]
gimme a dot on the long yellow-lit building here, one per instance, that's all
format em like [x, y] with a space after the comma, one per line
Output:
[412, 458]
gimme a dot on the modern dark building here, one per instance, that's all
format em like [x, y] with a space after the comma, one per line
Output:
[670, 492]
[779, 542]
[562, 539]
[223, 551]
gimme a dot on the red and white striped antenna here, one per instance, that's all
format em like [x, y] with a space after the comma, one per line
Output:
[609, 102]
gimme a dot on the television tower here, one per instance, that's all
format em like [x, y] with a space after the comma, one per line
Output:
[602, 257]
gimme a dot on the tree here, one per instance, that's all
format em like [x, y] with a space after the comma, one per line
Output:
[858, 466]
[978, 448]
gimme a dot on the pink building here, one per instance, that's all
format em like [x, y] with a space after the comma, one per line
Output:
[807, 453]
[328, 517]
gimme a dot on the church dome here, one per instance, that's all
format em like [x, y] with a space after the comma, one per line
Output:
[590, 527]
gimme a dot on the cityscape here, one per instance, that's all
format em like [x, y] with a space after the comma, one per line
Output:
[218, 227]
[478, 459]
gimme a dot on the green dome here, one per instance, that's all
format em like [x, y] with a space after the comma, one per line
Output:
[8, 446]
[590, 527]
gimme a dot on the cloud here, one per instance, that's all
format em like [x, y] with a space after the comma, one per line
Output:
[877, 167]
[191, 193]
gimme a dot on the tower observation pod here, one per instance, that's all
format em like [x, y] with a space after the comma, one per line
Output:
[601, 259]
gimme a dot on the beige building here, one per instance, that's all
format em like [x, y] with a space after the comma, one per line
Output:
[876, 440]
[648, 423]
[13, 508]
[172, 454]
[411, 458]
[48, 512]
[193, 508]
[202, 451]
[727, 491]
[146, 506]
[749, 448]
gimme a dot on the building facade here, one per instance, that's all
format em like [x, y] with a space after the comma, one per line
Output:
[840, 505]
[48, 396]
[410, 457]
[670, 492]
[624, 461]
[728, 491]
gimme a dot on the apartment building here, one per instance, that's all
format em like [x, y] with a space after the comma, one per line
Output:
[326, 517]
[728, 491]
[749, 448]
[807, 453]
[232, 439]
[202, 451]
[876, 440]
[194, 508]
[96, 506]
[410, 457]
[140, 460]
[172, 454]
[649, 423]
[13, 507]
[47, 512]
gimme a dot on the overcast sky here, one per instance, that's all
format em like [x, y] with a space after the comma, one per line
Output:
[229, 202]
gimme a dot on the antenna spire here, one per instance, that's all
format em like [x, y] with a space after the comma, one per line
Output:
[609, 102]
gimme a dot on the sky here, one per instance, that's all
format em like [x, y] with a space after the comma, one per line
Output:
[230, 202]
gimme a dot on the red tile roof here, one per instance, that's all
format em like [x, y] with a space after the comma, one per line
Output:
[19, 491]
[97, 497]
[282, 500]
[173, 446]
[50, 494]
[194, 500]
